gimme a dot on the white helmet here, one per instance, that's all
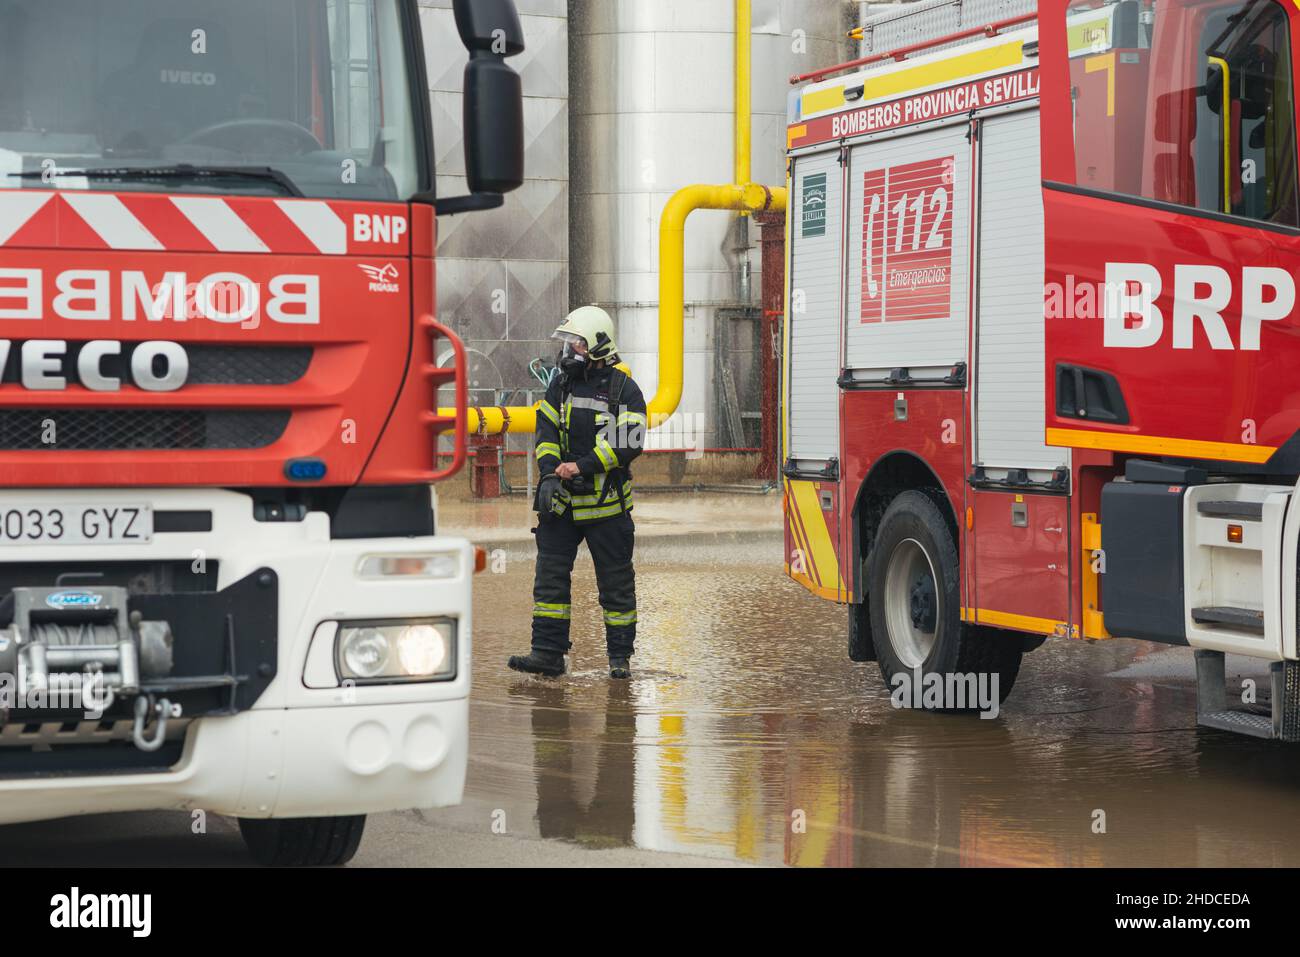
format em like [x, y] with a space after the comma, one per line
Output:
[594, 326]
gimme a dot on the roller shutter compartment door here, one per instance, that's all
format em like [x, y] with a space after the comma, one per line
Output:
[1009, 373]
[816, 282]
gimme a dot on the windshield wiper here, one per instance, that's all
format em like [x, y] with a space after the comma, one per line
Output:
[180, 171]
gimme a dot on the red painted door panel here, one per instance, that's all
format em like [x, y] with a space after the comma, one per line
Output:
[1023, 578]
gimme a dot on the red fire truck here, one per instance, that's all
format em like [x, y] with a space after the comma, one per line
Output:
[1041, 306]
[221, 583]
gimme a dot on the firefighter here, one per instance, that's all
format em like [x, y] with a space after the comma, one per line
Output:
[590, 427]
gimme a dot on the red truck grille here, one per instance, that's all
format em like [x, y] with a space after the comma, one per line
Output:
[154, 429]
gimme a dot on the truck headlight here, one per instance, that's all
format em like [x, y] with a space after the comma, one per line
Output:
[381, 652]
[364, 652]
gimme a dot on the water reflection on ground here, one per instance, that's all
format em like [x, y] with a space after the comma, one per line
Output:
[747, 733]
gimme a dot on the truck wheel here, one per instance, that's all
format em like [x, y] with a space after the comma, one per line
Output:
[302, 841]
[915, 602]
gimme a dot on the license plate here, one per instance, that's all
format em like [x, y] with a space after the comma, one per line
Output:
[76, 525]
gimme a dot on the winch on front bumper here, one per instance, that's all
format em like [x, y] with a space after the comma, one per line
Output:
[85, 665]
[305, 741]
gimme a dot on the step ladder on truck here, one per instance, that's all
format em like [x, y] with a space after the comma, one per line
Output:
[1039, 364]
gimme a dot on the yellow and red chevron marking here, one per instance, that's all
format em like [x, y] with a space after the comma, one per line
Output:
[83, 219]
[815, 540]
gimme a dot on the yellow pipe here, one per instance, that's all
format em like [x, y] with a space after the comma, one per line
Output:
[743, 84]
[522, 418]
[672, 272]
[742, 196]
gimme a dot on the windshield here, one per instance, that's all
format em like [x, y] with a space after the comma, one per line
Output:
[260, 97]
[1198, 111]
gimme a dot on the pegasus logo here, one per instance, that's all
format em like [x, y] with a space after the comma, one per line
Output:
[382, 278]
[380, 273]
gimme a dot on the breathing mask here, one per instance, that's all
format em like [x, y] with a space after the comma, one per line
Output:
[570, 361]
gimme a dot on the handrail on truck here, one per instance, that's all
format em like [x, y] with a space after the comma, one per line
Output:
[988, 30]
[437, 375]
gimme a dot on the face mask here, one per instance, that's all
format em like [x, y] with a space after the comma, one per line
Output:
[570, 362]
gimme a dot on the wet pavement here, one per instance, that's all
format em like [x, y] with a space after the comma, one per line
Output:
[747, 734]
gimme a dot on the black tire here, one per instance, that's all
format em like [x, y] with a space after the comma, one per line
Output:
[915, 602]
[303, 841]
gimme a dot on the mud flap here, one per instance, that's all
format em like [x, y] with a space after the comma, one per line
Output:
[861, 647]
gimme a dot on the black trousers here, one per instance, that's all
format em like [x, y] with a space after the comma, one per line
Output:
[610, 542]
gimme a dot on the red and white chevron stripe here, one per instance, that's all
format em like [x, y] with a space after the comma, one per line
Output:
[188, 223]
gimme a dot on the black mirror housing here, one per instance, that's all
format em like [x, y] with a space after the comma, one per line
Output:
[494, 125]
[490, 26]
[493, 114]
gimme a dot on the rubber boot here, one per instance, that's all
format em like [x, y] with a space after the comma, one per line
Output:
[620, 668]
[536, 662]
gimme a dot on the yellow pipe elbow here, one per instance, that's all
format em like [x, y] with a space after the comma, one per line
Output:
[672, 288]
[748, 197]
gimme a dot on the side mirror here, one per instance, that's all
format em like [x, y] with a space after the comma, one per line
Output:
[1257, 73]
[494, 125]
[493, 104]
[1175, 117]
[1214, 88]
